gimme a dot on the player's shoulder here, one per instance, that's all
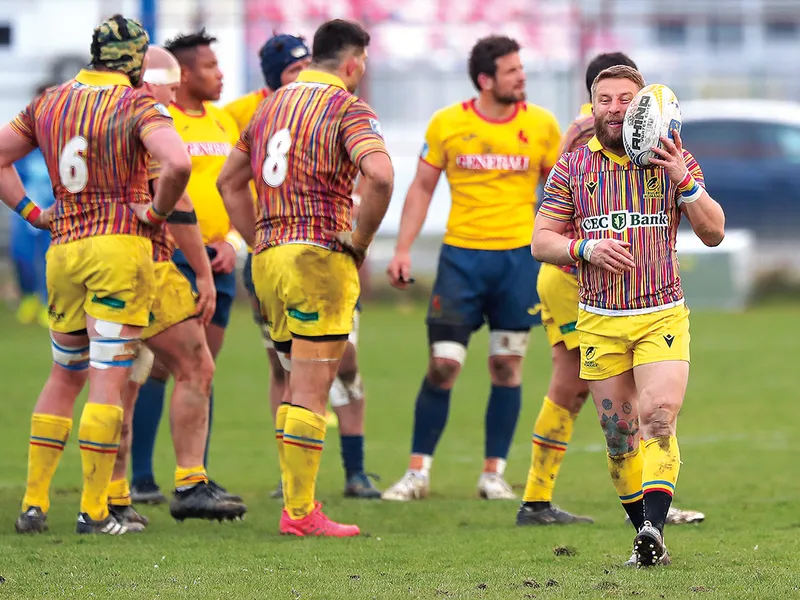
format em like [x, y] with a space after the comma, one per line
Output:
[218, 112]
[535, 114]
[454, 112]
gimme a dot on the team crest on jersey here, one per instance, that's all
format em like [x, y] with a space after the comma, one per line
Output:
[375, 126]
[162, 109]
[652, 188]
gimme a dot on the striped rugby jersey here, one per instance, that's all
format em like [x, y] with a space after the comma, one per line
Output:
[607, 196]
[305, 143]
[90, 132]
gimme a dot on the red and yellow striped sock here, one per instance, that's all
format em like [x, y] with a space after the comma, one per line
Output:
[49, 435]
[551, 435]
[98, 434]
[303, 439]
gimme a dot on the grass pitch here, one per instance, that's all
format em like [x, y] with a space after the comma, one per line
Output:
[740, 441]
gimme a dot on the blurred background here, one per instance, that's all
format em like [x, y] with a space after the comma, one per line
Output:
[732, 63]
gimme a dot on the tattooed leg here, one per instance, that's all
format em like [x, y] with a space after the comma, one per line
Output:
[618, 412]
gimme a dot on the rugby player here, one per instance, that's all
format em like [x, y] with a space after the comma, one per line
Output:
[493, 149]
[633, 323]
[209, 133]
[314, 134]
[282, 58]
[95, 133]
[567, 392]
[179, 341]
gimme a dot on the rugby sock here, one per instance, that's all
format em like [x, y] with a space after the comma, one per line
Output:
[626, 475]
[662, 462]
[119, 493]
[430, 418]
[303, 439]
[551, 434]
[210, 421]
[146, 417]
[99, 433]
[49, 435]
[501, 420]
[280, 423]
[352, 454]
[187, 478]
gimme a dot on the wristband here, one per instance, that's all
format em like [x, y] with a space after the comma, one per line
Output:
[691, 195]
[572, 249]
[686, 183]
[28, 210]
[586, 249]
[235, 240]
[153, 217]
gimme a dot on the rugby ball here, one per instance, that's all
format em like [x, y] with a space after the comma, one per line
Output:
[654, 112]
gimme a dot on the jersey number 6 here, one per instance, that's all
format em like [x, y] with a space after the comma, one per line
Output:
[72, 169]
[275, 165]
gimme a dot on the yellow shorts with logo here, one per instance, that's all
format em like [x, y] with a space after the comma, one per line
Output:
[558, 295]
[174, 301]
[306, 290]
[613, 345]
[107, 277]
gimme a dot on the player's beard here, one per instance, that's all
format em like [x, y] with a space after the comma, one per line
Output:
[511, 97]
[610, 139]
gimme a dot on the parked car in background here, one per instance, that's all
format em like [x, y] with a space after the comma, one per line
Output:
[749, 151]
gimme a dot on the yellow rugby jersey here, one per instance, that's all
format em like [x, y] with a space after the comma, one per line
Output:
[242, 109]
[493, 168]
[209, 138]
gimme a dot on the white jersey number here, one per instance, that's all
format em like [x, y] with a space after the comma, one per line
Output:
[275, 165]
[72, 169]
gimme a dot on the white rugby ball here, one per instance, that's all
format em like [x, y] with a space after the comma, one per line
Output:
[654, 112]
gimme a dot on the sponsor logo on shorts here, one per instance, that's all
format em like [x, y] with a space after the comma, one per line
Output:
[589, 355]
[54, 314]
[669, 338]
[619, 221]
[303, 316]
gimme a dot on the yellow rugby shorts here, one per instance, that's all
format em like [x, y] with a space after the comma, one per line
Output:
[611, 345]
[558, 295]
[174, 299]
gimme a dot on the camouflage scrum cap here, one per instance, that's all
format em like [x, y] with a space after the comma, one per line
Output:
[120, 44]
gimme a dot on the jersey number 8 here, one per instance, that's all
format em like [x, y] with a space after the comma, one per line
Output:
[275, 165]
[72, 169]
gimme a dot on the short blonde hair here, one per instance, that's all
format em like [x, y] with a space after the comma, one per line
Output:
[618, 72]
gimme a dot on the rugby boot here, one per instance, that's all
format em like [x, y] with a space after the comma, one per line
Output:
[360, 486]
[129, 517]
[648, 545]
[414, 485]
[32, 520]
[549, 515]
[202, 502]
[492, 486]
[223, 493]
[316, 523]
[108, 526]
[145, 491]
[631, 562]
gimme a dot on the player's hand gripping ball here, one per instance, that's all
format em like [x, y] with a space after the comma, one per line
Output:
[653, 113]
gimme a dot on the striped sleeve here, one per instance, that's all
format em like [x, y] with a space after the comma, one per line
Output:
[557, 201]
[578, 133]
[243, 143]
[24, 125]
[694, 168]
[361, 132]
[150, 116]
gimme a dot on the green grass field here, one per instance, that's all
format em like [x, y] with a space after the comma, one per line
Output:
[739, 439]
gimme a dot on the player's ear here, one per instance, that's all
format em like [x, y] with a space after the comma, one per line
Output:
[485, 82]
